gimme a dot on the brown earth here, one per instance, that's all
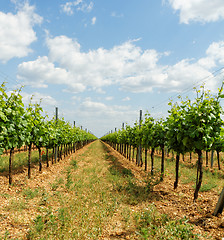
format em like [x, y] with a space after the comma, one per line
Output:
[11, 221]
[179, 203]
[175, 203]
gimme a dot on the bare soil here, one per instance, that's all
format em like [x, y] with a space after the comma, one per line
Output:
[179, 203]
[15, 219]
[175, 203]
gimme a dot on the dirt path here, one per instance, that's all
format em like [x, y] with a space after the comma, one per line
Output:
[89, 195]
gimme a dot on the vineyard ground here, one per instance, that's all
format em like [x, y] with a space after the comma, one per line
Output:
[98, 194]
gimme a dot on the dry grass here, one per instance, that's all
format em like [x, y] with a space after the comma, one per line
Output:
[92, 195]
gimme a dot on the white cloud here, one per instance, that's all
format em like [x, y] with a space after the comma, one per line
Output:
[75, 99]
[103, 118]
[16, 32]
[86, 7]
[207, 63]
[96, 68]
[68, 8]
[109, 98]
[216, 52]
[126, 99]
[199, 10]
[127, 66]
[93, 22]
[185, 73]
[78, 5]
[92, 112]
[89, 105]
[116, 15]
[37, 97]
[35, 73]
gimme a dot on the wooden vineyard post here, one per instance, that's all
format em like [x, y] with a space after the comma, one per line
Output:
[140, 147]
[218, 159]
[122, 144]
[152, 160]
[11, 157]
[199, 174]
[52, 156]
[56, 147]
[115, 144]
[220, 204]
[29, 160]
[47, 157]
[129, 156]
[212, 157]
[206, 157]
[146, 150]
[74, 145]
[40, 159]
[162, 163]
[177, 170]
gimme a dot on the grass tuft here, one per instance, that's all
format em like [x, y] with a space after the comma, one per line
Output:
[152, 225]
[73, 163]
[30, 193]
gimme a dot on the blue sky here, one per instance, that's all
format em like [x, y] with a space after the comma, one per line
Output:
[100, 62]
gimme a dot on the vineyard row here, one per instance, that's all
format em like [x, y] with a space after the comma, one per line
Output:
[192, 126]
[20, 126]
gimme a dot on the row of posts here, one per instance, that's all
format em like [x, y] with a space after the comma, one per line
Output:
[220, 204]
[56, 118]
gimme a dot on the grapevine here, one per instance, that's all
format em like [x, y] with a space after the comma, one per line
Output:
[191, 126]
[20, 126]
